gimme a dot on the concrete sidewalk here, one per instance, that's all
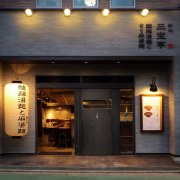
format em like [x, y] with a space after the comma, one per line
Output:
[88, 164]
[135, 176]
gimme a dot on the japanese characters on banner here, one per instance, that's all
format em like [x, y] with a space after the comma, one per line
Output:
[160, 33]
[16, 109]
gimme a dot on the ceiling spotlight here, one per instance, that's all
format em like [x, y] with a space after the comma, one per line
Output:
[85, 62]
[145, 12]
[105, 12]
[67, 12]
[28, 12]
[118, 62]
[153, 86]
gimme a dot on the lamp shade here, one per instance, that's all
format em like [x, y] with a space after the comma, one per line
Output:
[153, 86]
[16, 102]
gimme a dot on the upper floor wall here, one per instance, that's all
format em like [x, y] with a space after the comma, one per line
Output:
[139, 4]
[88, 33]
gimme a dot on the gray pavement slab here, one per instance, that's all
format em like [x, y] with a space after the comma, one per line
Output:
[88, 164]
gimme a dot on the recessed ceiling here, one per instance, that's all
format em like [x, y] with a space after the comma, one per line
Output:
[83, 59]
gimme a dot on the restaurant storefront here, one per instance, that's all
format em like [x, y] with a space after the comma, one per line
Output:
[90, 119]
[87, 75]
[94, 110]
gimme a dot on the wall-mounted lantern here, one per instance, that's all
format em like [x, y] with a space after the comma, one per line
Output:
[16, 100]
[153, 87]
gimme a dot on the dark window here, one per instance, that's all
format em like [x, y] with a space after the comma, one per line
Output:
[122, 3]
[48, 3]
[58, 79]
[107, 79]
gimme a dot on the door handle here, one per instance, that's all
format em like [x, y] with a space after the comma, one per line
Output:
[97, 116]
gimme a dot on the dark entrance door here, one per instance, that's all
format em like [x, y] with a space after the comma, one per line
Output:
[99, 121]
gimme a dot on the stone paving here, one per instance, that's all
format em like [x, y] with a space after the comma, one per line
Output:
[159, 163]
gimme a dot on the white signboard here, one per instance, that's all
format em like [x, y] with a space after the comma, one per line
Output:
[152, 112]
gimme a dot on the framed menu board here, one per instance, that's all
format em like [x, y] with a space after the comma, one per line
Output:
[152, 112]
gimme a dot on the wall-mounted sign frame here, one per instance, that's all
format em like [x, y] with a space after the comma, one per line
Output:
[152, 112]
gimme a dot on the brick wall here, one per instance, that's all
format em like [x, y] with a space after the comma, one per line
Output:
[157, 4]
[14, 4]
[140, 4]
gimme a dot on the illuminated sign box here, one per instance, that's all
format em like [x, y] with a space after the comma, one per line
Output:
[152, 112]
[85, 3]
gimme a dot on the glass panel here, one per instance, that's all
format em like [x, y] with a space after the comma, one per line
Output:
[126, 105]
[86, 3]
[122, 3]
[126, 121]
[56, 124]
[58, 79]
[97, 104]
[49, 3]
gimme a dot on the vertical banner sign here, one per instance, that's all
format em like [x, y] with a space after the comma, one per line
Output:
[16, 109]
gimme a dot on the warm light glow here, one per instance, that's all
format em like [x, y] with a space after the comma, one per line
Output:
[67, 12]
[57, 113]
[28, 12]
[144, 12]
[16, 109]
[21, 68]
[105, 12]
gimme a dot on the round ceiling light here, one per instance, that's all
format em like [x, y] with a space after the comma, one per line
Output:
[105, 12]
[145, 12]
[28, 12]
[67, 12]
